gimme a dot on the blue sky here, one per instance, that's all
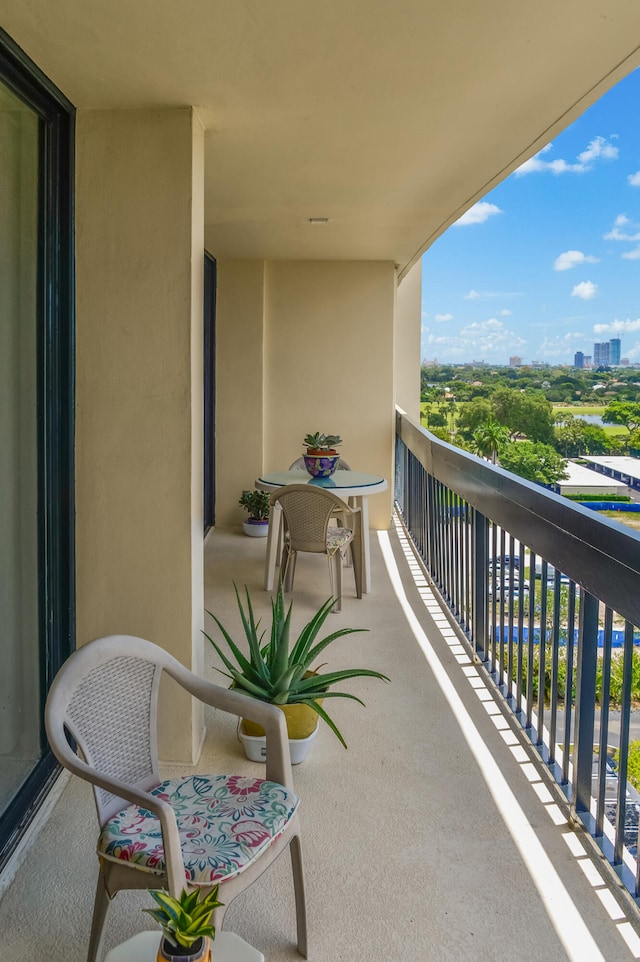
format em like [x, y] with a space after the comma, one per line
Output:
[549, 261]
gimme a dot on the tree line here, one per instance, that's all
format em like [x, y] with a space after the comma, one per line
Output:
[513, 423]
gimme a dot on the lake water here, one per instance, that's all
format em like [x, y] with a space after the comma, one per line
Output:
[591, 418]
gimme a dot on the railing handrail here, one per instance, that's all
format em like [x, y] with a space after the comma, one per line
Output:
[570, 537]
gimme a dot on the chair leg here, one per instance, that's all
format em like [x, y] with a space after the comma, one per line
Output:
[100, 906]
[288, 568]
[295, 849]
[335, 572]
[356, 554]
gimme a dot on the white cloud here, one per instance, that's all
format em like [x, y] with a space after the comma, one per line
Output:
[487, 339]
[634, 179]
[505, 313]
[474, 295]
[598, 149]
[617, 327]
[559, 347]
[620, 235]
[585, 289]
[633, 255]
[441, 318]
[569, 259]
[478, 214]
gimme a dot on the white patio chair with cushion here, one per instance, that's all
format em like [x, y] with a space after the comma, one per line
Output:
[299, 465]
[307, 512]
[182, 832]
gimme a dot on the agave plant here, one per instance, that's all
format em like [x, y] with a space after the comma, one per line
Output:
[276, 672]
[186, 919]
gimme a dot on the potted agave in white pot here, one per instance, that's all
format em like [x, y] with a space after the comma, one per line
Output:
[257, 505]
[282, 673]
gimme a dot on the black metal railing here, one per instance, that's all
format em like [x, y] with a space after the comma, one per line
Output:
[548, 595]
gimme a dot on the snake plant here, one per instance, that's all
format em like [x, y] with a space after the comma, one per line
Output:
[282, 674]
[186, 919]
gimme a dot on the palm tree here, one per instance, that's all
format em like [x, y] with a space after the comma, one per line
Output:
[488, 437]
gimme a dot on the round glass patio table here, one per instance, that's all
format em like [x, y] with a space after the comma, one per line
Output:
[346, 484]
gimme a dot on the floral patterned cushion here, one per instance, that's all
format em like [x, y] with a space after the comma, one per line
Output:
[225, 822]
[336, 538]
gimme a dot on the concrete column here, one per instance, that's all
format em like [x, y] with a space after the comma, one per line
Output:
[407, 342]
[139, 257]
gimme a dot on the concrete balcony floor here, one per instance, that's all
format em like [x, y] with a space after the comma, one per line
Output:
[435, 836]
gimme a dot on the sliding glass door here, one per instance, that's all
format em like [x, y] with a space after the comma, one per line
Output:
[20, 683]
[36, 405]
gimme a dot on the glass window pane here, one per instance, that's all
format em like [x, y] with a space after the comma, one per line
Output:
[20, 745]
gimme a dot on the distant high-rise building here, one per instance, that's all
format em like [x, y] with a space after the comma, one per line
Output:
[614, 351]
[624, 362]
[588, 361]
[515, 361]
[602, 354]
[578, 360]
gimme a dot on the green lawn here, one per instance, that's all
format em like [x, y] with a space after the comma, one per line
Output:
[579, 410]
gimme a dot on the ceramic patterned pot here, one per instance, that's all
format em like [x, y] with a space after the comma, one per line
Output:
[200, 951]
[321, 465]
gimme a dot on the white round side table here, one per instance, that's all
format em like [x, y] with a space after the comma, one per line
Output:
[143, 947]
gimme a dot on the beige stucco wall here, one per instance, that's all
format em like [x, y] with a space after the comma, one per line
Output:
[139, 256]
[407, 341]
[319, 340]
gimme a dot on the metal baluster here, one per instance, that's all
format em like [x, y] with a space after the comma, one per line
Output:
[625, 713]
[568, 698]
[585, 705]
[605, 696]
[555, 654]
[542, 652]
[531, 638]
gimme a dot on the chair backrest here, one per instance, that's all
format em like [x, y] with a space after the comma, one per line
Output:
[298, 465]
[105, 698]
[307, 511]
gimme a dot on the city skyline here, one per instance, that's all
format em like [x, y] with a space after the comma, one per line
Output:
[548, 263]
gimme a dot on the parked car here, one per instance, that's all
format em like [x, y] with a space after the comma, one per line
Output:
[505, 587]
[505, 562]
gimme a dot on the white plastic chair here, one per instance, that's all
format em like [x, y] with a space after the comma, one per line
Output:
[307, 512]
[153, 832]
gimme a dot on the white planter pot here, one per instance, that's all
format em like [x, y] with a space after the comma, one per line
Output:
[256, 529]
[255, 747]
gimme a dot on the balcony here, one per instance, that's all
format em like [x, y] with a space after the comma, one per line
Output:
[441, 833]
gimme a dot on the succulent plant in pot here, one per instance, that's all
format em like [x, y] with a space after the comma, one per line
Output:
[281, 671]
[186, 926]
[321, 459]
[256, 503]
[321, 443]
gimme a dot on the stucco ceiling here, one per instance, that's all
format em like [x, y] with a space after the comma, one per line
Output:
[389, 118]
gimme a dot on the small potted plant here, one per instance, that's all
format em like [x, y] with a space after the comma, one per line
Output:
[283, 674]
[321, 459]
[257, 504]
[186, 926]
